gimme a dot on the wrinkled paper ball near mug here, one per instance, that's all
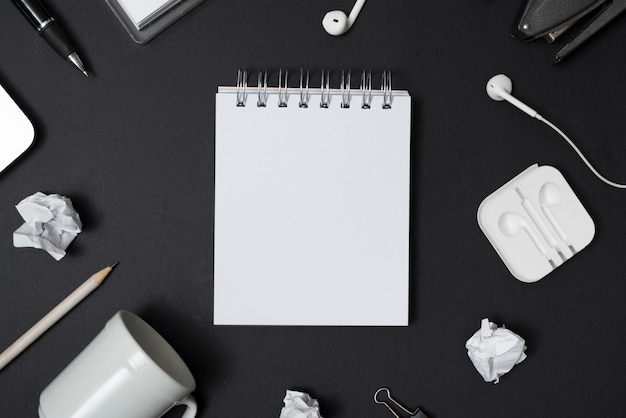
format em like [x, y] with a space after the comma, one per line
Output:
[127, 371]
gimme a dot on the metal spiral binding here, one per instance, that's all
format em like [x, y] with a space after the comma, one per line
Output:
[366, 88]
[325, 88]
[282, 90]
[262, 88]
[386, 89]
[325, 92]
[304, 90]
[345, 90]
[242, 83]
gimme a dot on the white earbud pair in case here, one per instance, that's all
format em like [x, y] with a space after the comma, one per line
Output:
[535, 222]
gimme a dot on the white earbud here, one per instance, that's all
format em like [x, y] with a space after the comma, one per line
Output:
[510, 224]
[499, 87]
[337, 23]
[539, 223]
[550, 195]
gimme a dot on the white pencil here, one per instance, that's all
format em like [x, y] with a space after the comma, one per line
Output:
[53, 316]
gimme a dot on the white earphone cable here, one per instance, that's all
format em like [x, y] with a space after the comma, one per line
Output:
[580, 154]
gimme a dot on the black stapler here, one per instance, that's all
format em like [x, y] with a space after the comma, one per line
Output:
[551, 18]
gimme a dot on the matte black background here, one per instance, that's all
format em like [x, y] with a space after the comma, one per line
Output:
[132, 146]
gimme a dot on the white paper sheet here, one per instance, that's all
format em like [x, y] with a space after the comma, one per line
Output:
[141, 12]
[312, 213]
[51, 223]
[494, 351]
[300, 405]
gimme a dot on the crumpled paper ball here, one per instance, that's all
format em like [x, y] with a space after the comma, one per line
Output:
[300, 405]
[494, 351]
[51, 223]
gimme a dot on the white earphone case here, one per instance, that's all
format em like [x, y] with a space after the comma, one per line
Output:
[550, 218]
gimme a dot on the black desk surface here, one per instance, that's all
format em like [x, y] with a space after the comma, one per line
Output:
[132, 146]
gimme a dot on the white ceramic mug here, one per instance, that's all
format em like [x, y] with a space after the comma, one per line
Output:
[127, 371]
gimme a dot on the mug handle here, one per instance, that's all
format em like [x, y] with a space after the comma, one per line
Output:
[192, 406]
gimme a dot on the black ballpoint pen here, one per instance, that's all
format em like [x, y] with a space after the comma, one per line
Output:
[50, 30]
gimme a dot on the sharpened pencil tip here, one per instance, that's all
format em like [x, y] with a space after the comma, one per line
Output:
[102, 274]
[112, 266]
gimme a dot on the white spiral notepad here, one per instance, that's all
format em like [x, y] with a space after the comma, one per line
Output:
[312, 204]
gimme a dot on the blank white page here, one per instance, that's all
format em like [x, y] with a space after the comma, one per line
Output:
[311, 212]
[142, 12]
